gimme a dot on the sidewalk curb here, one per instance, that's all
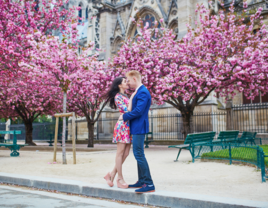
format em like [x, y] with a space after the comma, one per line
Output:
[159, 198]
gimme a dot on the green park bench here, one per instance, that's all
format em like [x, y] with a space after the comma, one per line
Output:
[51, 139]
[197, 139]
[14, 147]
[148, 139]
[227, 137]
[247, 137]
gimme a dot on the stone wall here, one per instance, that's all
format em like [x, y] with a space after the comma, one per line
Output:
[238, 98]
[107, 23]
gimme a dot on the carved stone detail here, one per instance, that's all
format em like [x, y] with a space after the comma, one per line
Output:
[142, 1]
[174, 12]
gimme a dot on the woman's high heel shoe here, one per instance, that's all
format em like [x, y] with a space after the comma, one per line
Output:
[108, 179]
[120, 185]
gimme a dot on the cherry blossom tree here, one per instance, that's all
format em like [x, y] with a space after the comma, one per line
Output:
[18, 18]
[27, 96]
[86, 95]
[21, 22]
[80, 77]
[56, 63]
[221, 54]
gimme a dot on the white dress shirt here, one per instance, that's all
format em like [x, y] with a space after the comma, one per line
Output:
[138, 87]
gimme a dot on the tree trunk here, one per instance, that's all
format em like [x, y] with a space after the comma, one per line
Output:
[63, 131]
[187, 118]
[29, 133]
[90, 128]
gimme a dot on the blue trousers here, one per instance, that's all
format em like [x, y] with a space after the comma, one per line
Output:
[143, 167]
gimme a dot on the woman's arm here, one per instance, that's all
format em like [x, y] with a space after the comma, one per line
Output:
[129, 108]
[121, 105]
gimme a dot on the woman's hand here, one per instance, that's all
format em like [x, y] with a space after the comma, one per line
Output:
[120, 117]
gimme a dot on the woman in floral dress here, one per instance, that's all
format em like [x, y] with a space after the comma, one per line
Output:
[119, 100]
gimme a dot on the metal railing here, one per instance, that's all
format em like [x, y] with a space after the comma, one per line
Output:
[41, 131]
[251, 117]
[232, 152]
[2, 126]
[169, 127]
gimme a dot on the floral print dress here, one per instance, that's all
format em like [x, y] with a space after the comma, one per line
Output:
[121, 129]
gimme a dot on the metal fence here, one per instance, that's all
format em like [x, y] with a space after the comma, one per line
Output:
[215, 121]
[233, 152]
[251, 117]
[41, 131]
[2, 126]
[169, 127]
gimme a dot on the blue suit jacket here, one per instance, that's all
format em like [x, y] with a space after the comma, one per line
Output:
[138, 117]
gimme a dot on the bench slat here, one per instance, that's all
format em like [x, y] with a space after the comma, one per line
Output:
[247, 134]
[10, 132]
[199, 137]
[179, 146]
[247, 137]
[9, 145]
[223, 135]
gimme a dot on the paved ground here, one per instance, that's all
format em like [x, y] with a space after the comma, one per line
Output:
[11, 197]
[205, 178]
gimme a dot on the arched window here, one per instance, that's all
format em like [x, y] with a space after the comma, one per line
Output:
[37, 5]
[118, 42]
[148, 20]
[87, 13]
[174, 26]
[80, 13]
[97, 33]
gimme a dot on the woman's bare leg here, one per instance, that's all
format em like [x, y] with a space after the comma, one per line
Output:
[125, 155]
[119, 158]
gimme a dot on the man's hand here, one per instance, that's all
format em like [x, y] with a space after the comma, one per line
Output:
[120, 117]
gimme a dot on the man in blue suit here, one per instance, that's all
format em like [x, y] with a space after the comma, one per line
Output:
[139, 126]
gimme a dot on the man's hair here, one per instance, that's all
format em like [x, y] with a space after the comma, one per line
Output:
[134, 73]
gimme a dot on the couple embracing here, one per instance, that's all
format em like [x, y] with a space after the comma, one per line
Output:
[131, 127]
